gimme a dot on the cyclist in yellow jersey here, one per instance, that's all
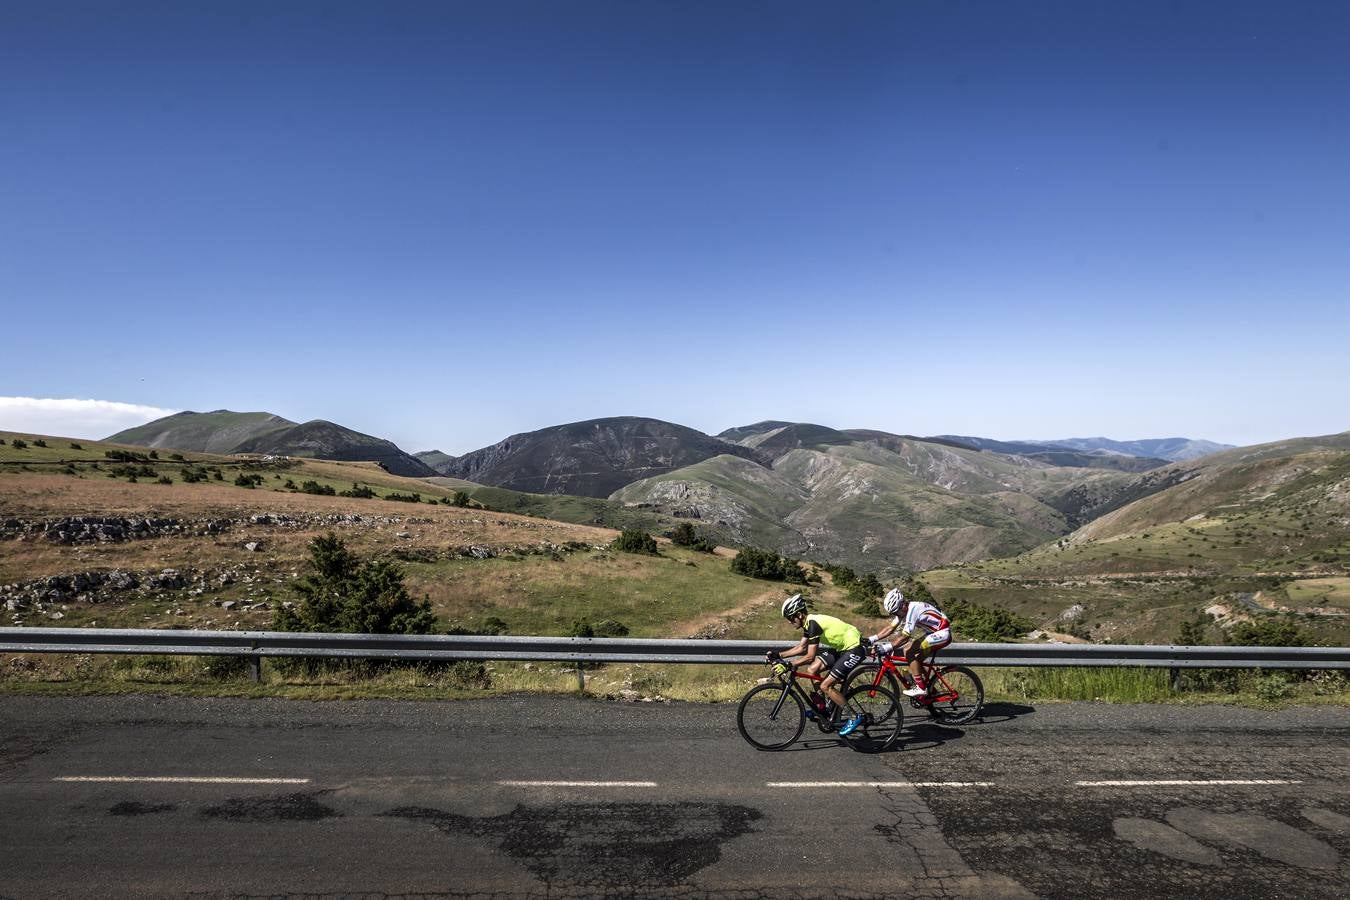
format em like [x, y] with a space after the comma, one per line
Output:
[823, 637]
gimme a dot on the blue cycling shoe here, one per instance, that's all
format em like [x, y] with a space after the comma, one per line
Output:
[851, 725]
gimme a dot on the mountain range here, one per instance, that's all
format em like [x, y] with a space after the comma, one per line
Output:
[864, 497]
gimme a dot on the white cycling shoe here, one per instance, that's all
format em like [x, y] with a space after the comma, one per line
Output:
[915, 691]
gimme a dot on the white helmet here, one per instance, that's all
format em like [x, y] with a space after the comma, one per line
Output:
[794, 606]
[894, 601]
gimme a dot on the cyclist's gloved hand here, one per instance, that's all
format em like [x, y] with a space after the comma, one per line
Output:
[780, 668]
[770, 655]
[867, 645]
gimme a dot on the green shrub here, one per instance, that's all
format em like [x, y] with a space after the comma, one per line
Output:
[247, 481]
[404, 498]
[1272, 632]
[343, 594]
[605, 628]
[609, 628]
[359, 491]
[767, 565]
[843, 576]
[224, 668]
[75, 446]
[1273, 686]
[684, 535]
[39, 443]
[494, 626]
[165, 479]
[461, 499]
[864, 592]
[635, 541]
[985, 623]
[313, 487]
[131, 472]
[1194, 632]
[19, 444]
[177, 457]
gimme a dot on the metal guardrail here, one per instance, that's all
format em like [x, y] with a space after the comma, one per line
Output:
[260, 644]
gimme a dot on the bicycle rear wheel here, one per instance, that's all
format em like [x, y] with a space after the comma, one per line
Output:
[957, 695]
[881, 705]
[874, 735]
[770, 716]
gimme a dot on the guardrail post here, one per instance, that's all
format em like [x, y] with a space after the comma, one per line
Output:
[255, 669]
[1174, 678]
[581, 679]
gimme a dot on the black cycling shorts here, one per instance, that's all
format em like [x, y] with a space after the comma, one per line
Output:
[846, 662]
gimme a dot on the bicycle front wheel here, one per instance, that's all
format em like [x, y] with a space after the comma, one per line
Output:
[874, 735]
[957, 695]
[770, 716]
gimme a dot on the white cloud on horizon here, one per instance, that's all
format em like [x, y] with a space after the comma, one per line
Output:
[88, 419]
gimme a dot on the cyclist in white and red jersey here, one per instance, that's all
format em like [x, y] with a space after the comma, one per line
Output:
[922, 623]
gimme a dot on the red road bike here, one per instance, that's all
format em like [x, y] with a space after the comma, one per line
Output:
[955, 694]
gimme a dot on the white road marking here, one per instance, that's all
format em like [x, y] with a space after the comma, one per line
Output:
[1179, 782]
[176, 779]
[595, 784]
[877, 784]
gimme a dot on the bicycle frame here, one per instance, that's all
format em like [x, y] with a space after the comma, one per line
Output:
[789, 682]
[897, 666]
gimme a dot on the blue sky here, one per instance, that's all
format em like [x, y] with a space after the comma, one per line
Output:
[443, 223]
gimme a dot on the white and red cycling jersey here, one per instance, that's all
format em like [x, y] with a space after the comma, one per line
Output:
[924, 620]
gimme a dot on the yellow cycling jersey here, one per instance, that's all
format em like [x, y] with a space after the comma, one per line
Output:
[833, 633]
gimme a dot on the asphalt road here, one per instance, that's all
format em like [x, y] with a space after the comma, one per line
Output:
[562, 797]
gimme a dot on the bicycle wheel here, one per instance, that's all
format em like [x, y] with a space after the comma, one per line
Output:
[881, 705]
[957, 695]
[770, 716]
[874, 735]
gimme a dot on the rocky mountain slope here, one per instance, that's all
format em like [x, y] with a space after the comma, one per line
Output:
[877, 500]
[223, 431]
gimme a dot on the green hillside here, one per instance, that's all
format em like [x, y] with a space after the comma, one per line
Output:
[224, 431]
[434, 458]
[220, 431]
[1249, 534]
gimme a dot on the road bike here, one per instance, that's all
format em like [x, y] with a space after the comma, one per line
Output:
[955, 694]
[772, 715]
